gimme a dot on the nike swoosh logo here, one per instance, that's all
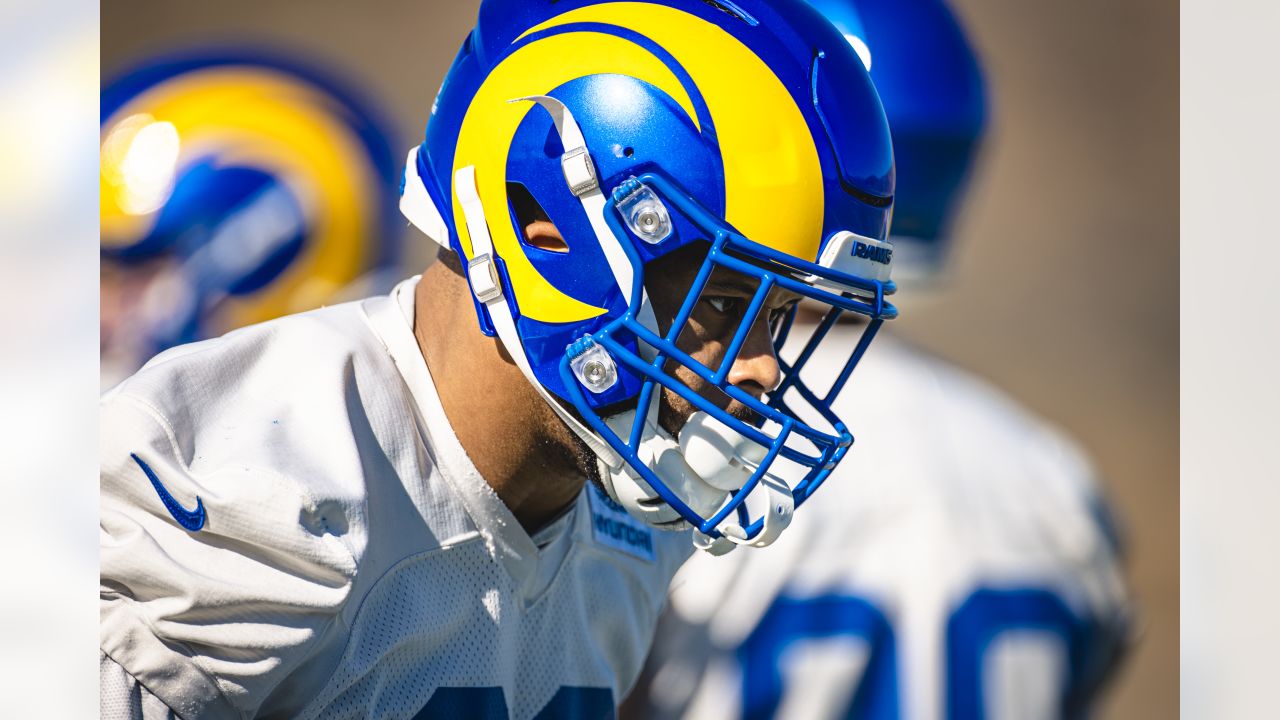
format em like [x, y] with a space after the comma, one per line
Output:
[192, 520]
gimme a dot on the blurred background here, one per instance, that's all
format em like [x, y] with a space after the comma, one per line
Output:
[1063, 291]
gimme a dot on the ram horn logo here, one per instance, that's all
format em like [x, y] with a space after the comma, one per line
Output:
[773, 177]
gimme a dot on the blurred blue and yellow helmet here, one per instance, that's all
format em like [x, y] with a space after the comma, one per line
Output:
[638, 129]
[930, 81]
[259, 186]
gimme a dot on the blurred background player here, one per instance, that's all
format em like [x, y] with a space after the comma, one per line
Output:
[963, 563]
[236, 187]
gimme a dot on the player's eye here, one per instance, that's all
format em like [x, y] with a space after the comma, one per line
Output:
[723, 305]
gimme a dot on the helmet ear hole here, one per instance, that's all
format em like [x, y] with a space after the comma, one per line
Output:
[536, 229]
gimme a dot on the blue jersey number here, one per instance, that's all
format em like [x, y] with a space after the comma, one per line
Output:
[972, 627]
[1091, 647]
[789, 621]
[488, 703]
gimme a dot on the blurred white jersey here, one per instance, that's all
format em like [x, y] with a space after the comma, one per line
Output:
[958, 564]
[290, 528]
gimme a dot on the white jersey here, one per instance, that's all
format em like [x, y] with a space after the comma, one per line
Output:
[290, 528]
[958, 564]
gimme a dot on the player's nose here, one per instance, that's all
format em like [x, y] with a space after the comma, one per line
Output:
[756, 368]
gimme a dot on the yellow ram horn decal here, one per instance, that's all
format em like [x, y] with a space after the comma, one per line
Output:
[773, 178]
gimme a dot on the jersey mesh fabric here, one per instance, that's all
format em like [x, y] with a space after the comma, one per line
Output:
[122, 697]
[589, 629]
[569, 615]
[353, 562]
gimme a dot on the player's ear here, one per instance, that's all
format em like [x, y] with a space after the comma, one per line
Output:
[539, 231]
[544, 235]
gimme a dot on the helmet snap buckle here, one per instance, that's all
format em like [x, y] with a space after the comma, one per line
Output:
[579, 171]
[482, 272]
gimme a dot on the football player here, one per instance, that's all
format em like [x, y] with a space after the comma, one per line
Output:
[960, 565]
[221, 205]
[467, 498]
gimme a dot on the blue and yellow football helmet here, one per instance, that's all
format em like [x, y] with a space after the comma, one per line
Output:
[640, 128]
[934, 94]
[235, 188]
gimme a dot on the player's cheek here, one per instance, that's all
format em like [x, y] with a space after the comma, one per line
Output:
[709, 353]
[704, 343]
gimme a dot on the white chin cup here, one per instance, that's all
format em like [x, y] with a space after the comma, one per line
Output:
[659, 451]
[776, 513]
[709, 462]
[723, 458]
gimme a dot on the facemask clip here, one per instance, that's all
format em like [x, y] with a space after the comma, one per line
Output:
[592, 365]
[643, 211]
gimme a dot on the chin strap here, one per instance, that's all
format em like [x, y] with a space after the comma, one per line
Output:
[417, 206]
[483, 275]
